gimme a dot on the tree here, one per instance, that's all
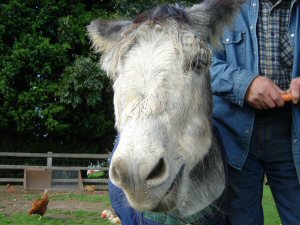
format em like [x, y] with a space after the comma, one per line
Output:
[51, 87]
[41, 42]
[131, 8]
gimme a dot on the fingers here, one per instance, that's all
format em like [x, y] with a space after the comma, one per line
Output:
[295, 90]
[275, 96]
[264, 94]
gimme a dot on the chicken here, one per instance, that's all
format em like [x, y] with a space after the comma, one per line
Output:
[107, 214]
[39, 206]
[9, 188]
[90, 188]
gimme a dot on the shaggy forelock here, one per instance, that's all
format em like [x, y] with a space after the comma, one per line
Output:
[162, 13]
[186, 44]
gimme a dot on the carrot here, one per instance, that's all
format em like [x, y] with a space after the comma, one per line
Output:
[287, 97]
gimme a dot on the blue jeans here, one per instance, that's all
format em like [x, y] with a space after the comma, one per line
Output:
[270, 153]
[127, 214]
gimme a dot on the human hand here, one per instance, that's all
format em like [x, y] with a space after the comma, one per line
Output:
[264, 94]
[295, 90]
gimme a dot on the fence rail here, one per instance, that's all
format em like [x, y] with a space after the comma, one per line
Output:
[54, 155]
[100, 183]
[21, 167]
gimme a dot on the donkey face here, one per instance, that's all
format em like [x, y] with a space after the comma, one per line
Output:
[159, 65]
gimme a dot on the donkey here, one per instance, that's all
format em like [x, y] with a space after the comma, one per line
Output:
[168, 158]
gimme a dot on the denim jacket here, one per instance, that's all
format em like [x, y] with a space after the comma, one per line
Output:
[233, 69]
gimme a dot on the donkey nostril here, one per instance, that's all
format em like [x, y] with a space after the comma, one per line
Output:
[118, 172]
[158, 170]
[115, 174]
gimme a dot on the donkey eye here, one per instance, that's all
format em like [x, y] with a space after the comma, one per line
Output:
[202, 60]
[196, 64]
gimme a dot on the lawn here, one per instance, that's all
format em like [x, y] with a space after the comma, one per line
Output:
[84, 208]
[65, 208]
[270, 211]
[56, 217]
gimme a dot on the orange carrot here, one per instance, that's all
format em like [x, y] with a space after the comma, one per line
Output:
[287, 97]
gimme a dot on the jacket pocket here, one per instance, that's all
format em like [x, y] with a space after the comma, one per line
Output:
[233, 37]
[234, 43]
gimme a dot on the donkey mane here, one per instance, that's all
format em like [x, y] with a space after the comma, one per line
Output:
[162, 13]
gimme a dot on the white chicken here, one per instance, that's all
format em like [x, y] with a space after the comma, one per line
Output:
[107, 214]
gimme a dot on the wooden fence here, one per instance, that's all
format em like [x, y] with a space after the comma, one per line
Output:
[35, 175]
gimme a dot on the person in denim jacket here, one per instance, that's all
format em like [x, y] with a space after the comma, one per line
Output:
[258, 62]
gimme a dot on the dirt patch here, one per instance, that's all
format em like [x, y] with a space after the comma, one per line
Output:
[19, 200]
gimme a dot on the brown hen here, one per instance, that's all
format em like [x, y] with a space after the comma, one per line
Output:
[39, 206]
[9, 188]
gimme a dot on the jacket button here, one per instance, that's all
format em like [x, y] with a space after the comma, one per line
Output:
[247, 131]
[295, 140]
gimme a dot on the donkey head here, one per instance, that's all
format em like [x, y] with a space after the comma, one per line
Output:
[159, 65]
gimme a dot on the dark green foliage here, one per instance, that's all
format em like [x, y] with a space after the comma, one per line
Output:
[52, 92]
[84, 89]
[132, 8]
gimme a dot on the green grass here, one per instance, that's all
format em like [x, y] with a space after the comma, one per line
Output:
[69, 218]
[92, 217]
[270, 211]
[89, 214]
[82, 197]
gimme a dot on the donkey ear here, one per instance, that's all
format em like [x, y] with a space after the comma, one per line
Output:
[210, 17]
[104, 34]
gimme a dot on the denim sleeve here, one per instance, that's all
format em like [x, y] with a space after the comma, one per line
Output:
[229, 81]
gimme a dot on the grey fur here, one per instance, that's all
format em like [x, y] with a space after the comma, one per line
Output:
[104, 34]
[108, 29]
[210, 17]
[163, 105]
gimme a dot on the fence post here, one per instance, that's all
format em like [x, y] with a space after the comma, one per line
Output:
[49, 159]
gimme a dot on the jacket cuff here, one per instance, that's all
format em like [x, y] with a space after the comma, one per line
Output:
[241, 86]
